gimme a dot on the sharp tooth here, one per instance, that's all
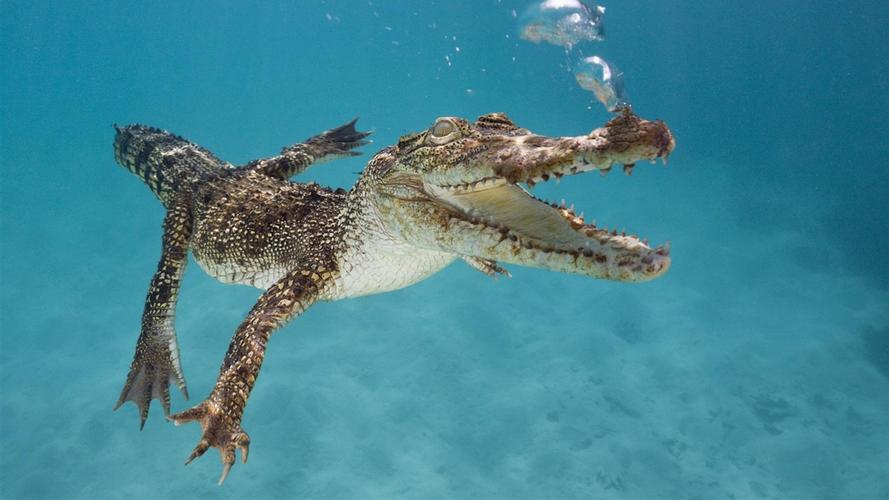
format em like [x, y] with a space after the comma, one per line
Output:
[531, 183]
[604, 171]
[581, 215]
[562, 203]
[545, 177]
[628, 168]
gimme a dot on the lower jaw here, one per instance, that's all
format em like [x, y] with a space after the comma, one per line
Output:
[503, 245]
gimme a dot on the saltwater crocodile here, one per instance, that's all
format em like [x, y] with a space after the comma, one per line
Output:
[451, 192]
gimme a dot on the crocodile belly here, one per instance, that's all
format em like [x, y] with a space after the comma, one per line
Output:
[233, 273]
[381, 266]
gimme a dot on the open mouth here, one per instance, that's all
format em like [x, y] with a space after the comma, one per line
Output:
[542, 234]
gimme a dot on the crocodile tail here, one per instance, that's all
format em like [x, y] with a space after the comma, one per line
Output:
[166, 162]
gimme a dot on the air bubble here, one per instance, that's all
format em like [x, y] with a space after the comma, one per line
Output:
[563, 22]
[604, 80]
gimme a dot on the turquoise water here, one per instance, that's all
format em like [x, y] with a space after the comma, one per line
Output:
[758, 367]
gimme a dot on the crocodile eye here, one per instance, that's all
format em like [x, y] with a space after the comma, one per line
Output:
[444, 130]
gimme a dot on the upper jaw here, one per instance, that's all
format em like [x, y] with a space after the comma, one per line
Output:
[624, 140]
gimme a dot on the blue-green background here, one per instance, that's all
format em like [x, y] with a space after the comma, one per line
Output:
[758, 367]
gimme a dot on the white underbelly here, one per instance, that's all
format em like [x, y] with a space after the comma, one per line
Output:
[231, 273]
[372, 268]
[384, 266]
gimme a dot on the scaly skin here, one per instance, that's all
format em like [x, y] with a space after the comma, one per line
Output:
[449, 192]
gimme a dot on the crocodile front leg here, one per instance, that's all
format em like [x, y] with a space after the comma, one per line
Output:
[328, 145]
[220, 414]
[157, 350]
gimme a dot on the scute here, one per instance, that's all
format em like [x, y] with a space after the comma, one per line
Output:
[496, 121]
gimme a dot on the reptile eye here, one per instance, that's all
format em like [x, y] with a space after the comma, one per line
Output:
[442, 128]
[444, 131]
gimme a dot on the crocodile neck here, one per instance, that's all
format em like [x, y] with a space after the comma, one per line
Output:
[375, 259]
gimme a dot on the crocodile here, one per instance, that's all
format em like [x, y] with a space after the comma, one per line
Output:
[457, 190]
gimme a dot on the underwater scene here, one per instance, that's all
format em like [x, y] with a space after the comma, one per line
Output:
[713, 326]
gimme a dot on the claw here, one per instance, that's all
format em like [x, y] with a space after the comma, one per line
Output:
[225, 469]
[199, 450]
[228, 458]
[218, 432]
[243, 443]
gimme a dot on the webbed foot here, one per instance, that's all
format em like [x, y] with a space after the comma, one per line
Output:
[220, 431]
[338, 142]
[149, 378]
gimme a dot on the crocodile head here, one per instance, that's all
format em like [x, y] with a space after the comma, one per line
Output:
[458, 187]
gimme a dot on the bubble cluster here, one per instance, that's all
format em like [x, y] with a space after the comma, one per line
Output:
[567, 23]
[603, 79]
[562, 22]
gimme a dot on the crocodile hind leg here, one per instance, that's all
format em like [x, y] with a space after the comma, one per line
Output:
[220, 414]
[157, 350]
[328, 145]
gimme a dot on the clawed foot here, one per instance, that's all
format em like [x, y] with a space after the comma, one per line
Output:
[338, 142]
[219, 431]
[149, 378]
